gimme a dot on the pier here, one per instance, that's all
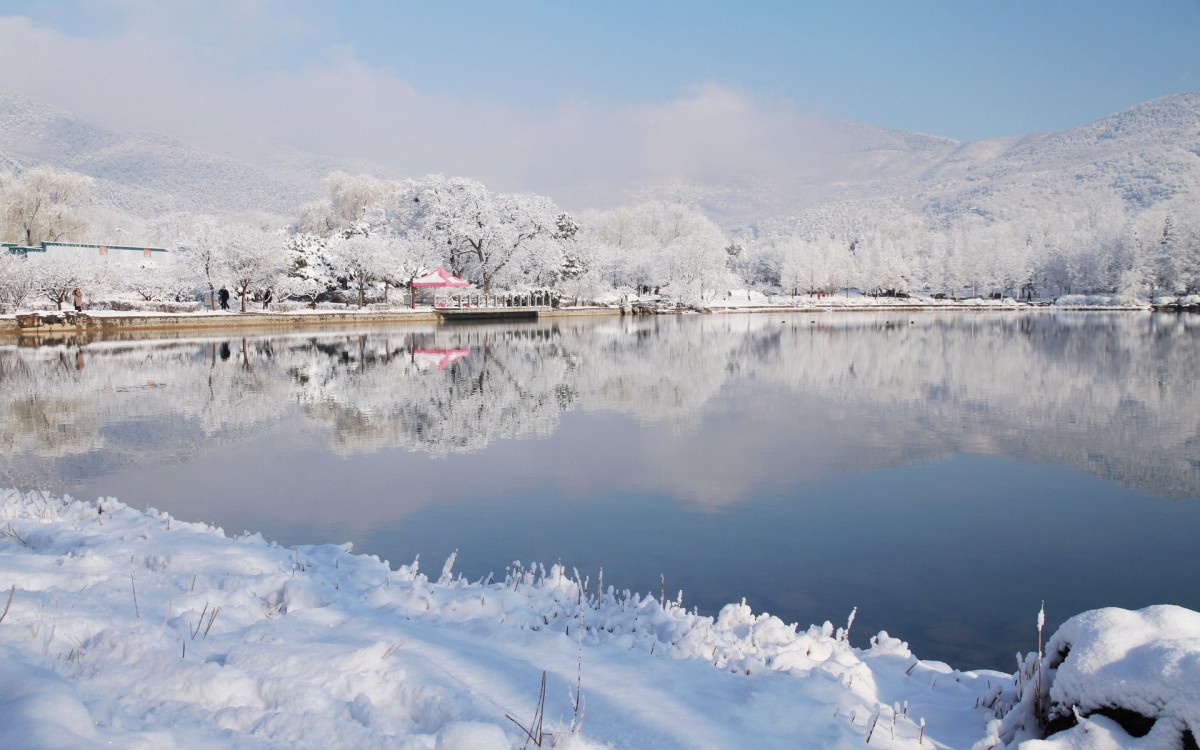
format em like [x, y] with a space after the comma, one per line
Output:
[472, 314]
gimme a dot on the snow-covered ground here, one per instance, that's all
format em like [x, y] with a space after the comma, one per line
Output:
[749, 299]
[746, 299]
[741, 298]
[129, 628]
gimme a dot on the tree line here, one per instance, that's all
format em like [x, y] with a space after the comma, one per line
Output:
[367, 237]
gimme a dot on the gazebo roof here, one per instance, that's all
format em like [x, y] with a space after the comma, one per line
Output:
[439, 277]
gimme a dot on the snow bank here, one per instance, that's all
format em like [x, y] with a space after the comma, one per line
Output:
[1185, 301]
[749, 299]
[742, 299]
[1100, 302]
[133, 629]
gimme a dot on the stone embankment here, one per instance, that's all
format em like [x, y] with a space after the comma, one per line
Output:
[106, 324]
[83, 322]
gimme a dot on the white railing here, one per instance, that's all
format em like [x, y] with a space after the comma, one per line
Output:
[540, 298]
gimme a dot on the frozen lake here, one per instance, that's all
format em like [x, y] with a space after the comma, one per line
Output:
[943, 473]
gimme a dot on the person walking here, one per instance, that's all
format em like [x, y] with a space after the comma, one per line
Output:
[77, 298]
[223, 296]
[267, 298]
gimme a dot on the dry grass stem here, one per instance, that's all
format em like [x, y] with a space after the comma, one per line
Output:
[133, 585]
[534, 732]
[8, 604]
[200, 622]
[212, 618]
[9, 531]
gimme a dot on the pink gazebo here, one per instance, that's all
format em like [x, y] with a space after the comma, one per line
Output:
[439, 277]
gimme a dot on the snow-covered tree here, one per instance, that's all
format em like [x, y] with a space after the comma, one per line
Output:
[203, 254]
[619, 247]
[57, 275]
[43, 205]
[695, 264]
[256, 258]
[408, 258]
[481, 231]
[791, 255]
[151, 281]
[349, 197]
[309, 273]
[823, 257]
[1165, 257]
[361, 260]
[145, 280]
[1190, 261]
[16, 281]
[550, 259]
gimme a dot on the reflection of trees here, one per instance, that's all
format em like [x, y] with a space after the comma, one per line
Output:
[387, 393]
[44, 410]
[514, 383]
[129, 402]
[1110, 394]
[663, 370]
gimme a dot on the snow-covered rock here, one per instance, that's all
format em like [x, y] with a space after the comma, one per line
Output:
[1111, 678]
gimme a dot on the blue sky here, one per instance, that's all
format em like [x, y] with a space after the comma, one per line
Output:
[518, 75]
[963, 69]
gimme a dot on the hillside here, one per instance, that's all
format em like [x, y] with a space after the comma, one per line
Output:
[1145, 156]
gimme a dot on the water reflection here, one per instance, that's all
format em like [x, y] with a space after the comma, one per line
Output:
[1111, 394]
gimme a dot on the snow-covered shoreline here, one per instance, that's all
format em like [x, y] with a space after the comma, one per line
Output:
[132, 628]
[741, 301]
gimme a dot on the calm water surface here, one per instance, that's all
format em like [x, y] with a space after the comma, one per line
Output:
[944, 473]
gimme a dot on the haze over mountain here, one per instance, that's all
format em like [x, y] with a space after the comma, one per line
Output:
[1146, 157]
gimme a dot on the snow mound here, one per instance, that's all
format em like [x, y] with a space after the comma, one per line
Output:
[1142, 667]
[1112, 678]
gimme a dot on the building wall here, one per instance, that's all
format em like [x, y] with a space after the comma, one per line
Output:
[108, 254]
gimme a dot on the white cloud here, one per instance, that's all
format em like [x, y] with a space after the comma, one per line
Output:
[172, 68]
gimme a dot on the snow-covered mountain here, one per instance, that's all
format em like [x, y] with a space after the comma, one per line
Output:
[1146, 155]
[1142, 158]
[146, 174]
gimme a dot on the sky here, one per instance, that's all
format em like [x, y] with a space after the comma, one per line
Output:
[537, 93]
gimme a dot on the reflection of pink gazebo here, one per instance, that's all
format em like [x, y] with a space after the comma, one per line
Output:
[439, 278]
[443, 358]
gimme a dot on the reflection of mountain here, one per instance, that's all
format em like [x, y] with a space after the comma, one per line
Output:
[1109, 394]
